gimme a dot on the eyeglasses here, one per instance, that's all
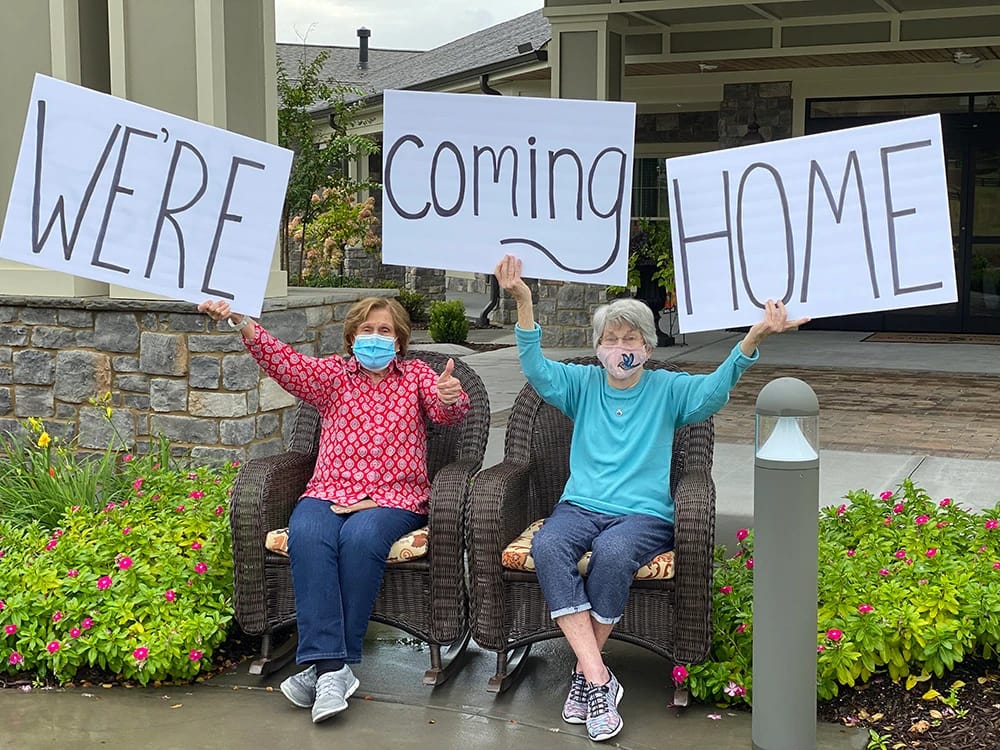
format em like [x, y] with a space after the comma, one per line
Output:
[631, 340]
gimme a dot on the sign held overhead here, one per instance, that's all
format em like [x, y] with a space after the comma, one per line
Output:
[846, 222]
[119, 192]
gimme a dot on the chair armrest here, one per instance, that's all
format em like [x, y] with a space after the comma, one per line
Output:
[497, 513]
[694, 507]
[446, 520]
[264, 494]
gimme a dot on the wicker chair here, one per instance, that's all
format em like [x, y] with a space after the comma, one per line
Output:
[669, 617]
[425, 597]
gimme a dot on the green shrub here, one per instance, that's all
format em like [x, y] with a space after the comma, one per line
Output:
[141, 587]
[448, 324]
[907, 586]
[415, 304]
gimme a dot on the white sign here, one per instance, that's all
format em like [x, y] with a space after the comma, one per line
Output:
[846, 222]
[468, 178]
[115, 191]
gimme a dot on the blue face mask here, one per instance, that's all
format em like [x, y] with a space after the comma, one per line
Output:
[373, 351]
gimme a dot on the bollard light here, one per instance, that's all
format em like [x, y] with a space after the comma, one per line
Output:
[786, 501]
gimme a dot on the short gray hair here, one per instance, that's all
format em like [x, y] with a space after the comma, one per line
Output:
[631, 312]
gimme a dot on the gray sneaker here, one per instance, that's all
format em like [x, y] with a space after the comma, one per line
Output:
[332, 691]
[300, 688]
[603, 719]
[575, 708]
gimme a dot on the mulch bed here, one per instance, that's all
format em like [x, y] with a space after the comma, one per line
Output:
[904, 719]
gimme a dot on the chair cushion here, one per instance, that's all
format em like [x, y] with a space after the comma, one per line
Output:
[517, 556]
[407, 547]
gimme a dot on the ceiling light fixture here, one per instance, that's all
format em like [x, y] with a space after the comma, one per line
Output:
[961, 57]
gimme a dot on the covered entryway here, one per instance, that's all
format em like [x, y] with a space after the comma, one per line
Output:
[712, 73]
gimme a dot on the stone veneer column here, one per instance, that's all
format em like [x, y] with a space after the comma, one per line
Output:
[770, 103]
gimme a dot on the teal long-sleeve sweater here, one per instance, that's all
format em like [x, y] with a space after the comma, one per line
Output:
[623, 439]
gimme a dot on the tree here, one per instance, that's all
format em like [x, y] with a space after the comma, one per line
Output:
[319, 179]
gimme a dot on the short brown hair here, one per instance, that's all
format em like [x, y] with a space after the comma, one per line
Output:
[360, 311]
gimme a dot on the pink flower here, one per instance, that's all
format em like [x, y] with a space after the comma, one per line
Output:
[900, 554]
[56, 616]
[180, 508]
[883, 572]
[127, 530]
[127, 457]
[931, 552]
[192, 475]
[72, 573]
[898, 508]
[75, 509]
[104, 582]
[996, 566]
[53, 646]
[141, 653]
[741, 628]
[885, 495]
[851, 553]
[75, 632]
[137, 484]
[742, 534]
[887, 521]
[86, 623]
[921, 520]
[749, 563]
[10, 629]
[945, 503]
[991, 524]
[834, 635]
[125, 562]
[941, 524]
[170, 595]
[195, 545]
[733, 690]
[841, 510]
[726, 590]
[196, 494]
[108, 508]
[864, 609]
[923, 582]
[219, 510]
[235, 463]
[200, 568]
[680, 674]
[51, 545]
[820, 649]
[195, 655]
[15, 658]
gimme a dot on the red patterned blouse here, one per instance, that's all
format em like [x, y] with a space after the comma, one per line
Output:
[373, 442]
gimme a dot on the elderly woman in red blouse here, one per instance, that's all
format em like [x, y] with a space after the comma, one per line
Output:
[369, 487]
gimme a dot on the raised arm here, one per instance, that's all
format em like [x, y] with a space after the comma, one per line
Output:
[508, 273]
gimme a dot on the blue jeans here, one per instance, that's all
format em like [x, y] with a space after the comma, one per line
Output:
[619, 546]
[337, 565]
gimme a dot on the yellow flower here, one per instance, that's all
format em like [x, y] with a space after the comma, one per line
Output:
[107, 412]
[44, 440]
[35, 424]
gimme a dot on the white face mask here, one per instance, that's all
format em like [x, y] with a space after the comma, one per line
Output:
[622, 362]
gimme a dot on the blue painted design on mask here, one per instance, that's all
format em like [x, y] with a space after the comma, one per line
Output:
[628, 361]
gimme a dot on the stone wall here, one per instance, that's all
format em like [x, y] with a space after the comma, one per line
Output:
[770, 103]
[170, 370]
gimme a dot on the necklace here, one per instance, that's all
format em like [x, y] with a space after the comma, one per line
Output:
[618, 412]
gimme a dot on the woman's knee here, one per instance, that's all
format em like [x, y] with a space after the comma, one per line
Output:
[549, 548]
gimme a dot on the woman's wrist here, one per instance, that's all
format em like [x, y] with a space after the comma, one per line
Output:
[236, 324]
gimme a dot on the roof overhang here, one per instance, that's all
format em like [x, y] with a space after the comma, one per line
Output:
[681, 36]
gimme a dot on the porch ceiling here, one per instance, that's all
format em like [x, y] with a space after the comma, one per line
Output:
[816, 33]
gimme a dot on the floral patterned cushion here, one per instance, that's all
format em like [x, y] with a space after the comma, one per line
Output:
[517, 556]
[407, 547]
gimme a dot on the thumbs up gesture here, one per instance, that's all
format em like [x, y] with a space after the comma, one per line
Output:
[448, 388]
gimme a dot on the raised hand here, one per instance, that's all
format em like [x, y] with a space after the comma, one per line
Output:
[449, 389]
[508, 273]
[775, 321]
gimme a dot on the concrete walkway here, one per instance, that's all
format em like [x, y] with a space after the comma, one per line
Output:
[393, 709]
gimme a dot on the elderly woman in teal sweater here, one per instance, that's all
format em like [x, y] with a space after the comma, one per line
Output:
[624, 418]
